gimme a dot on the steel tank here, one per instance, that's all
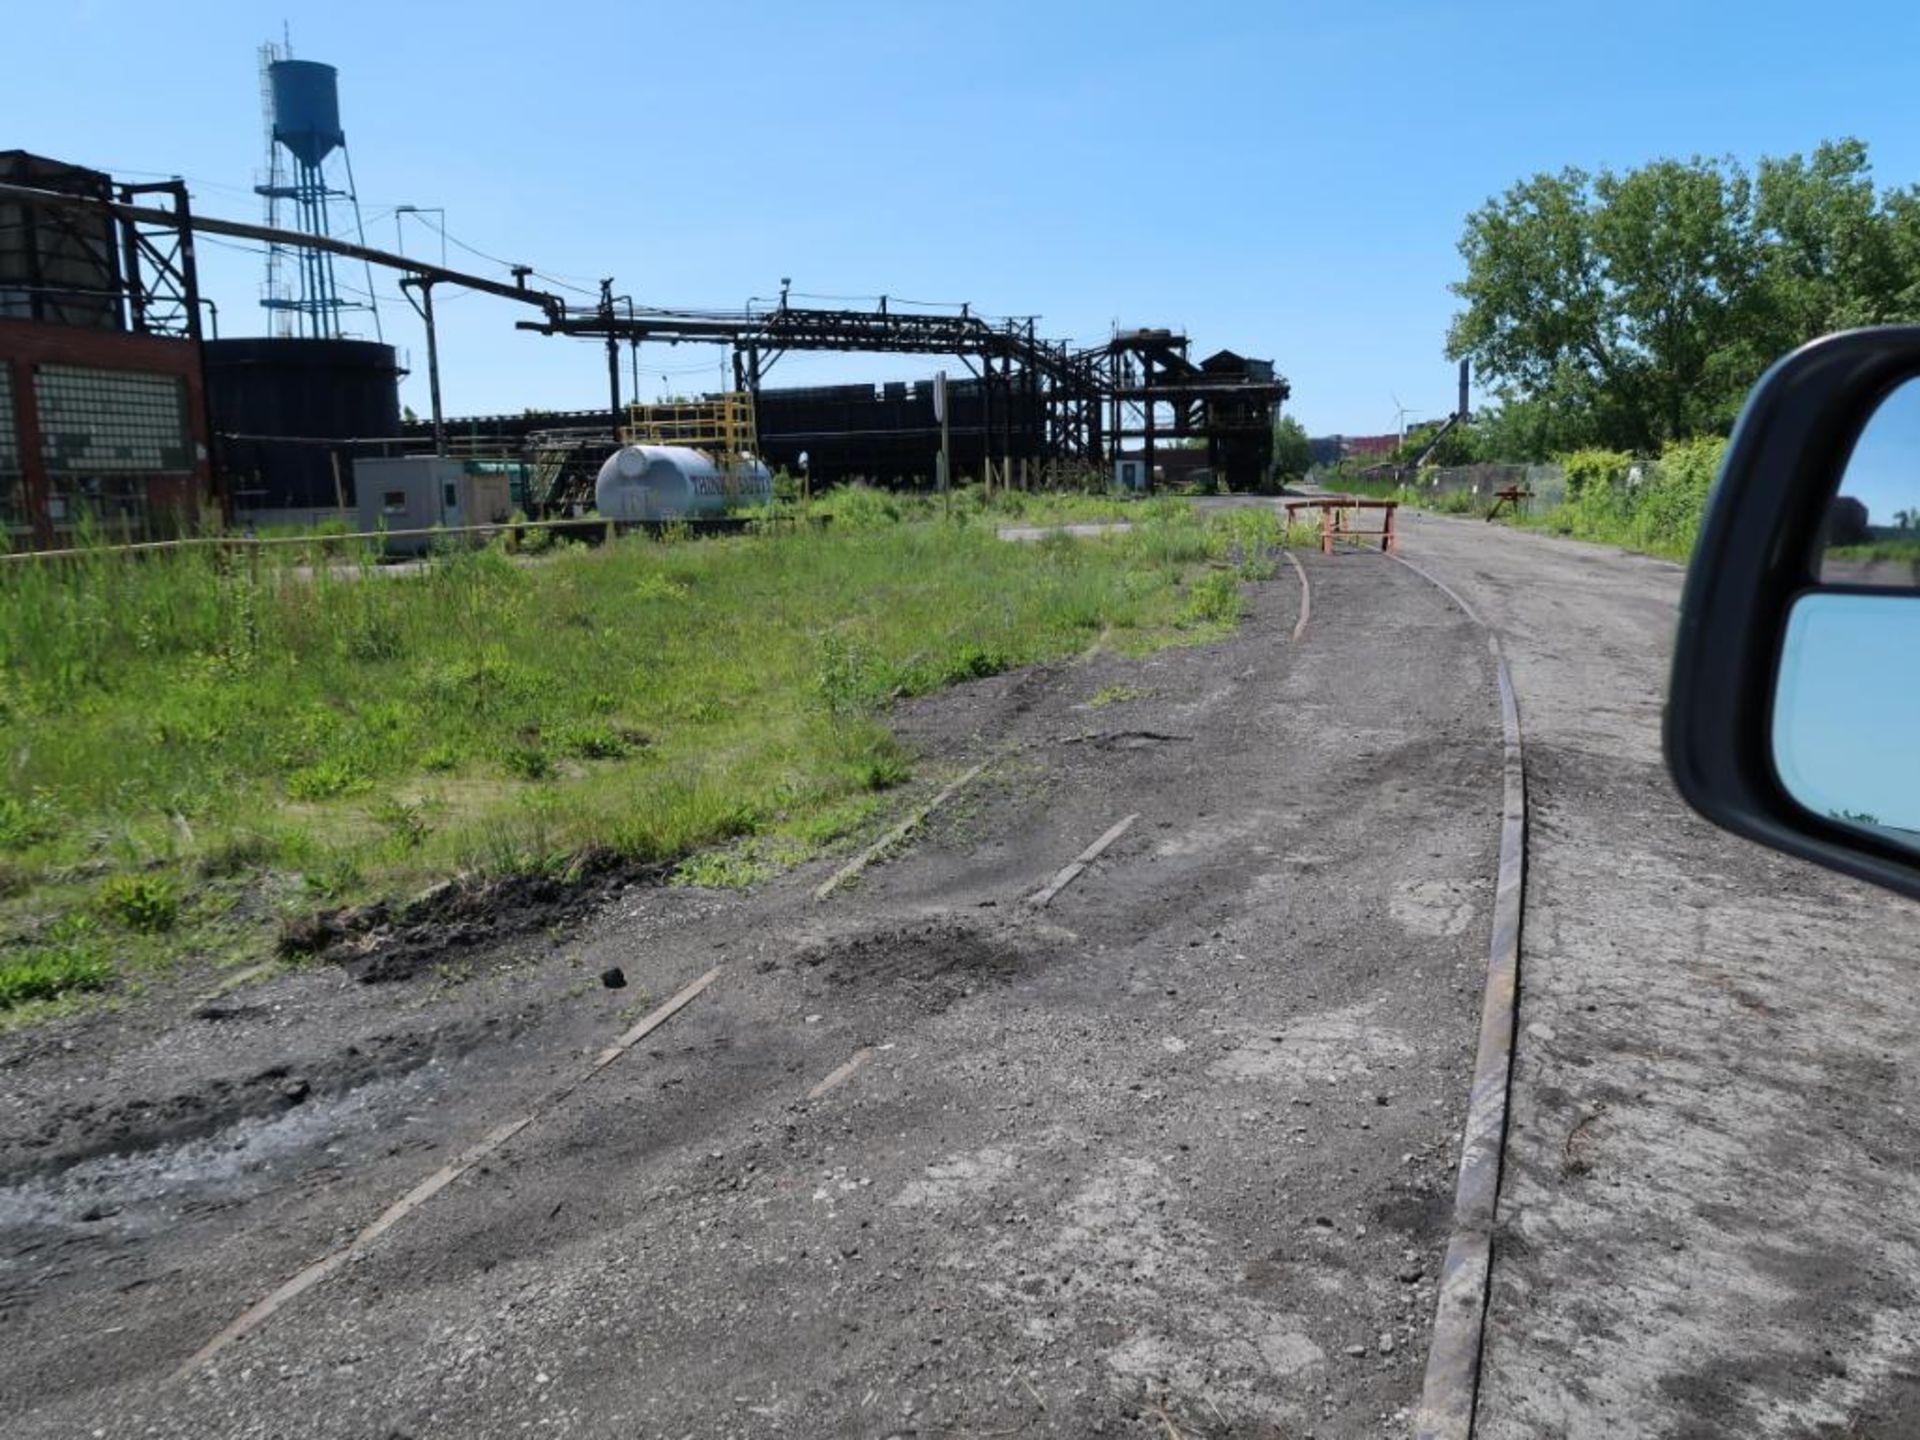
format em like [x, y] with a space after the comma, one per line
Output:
[306, 108]
[672, 482]
[277, 402]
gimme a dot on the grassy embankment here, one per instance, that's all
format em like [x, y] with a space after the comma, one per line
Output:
[197, 748]
[1612, 498]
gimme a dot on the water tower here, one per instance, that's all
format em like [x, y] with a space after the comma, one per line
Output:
[301, 100]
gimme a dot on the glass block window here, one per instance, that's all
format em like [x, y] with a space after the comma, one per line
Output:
[9, 427]
[96, 422]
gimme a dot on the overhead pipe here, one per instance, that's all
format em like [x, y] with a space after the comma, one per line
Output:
[431, 274]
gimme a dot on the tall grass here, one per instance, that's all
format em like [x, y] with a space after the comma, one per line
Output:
[1654, 506]
[864, 507]
[246, 735]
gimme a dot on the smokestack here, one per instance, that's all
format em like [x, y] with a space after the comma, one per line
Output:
[1462, 411]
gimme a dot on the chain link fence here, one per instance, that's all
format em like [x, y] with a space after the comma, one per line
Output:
[1547, 482]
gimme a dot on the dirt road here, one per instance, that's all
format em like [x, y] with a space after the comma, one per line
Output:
[1170, 1153]
[1710, 1218]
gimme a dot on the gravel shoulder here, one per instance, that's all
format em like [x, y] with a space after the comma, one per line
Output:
[1176, 1149]
[1710, 1214]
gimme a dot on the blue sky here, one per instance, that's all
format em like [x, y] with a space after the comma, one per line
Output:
[1843, 719]
[1287, 180]
[1883, 472]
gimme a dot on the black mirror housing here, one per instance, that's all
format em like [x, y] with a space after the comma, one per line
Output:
[1758, 550]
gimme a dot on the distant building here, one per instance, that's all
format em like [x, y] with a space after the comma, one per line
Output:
[1371, 445]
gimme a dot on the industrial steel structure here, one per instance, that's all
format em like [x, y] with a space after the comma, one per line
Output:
[301, 104]
[1038, 400]
[87, 253]
[77, 244]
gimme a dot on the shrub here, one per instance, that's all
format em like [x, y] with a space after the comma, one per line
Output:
[1672, 497]
[1652, 505]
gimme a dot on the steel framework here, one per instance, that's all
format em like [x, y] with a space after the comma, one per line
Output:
[1140, 385]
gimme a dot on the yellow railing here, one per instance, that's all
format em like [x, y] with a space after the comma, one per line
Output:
[722, 424]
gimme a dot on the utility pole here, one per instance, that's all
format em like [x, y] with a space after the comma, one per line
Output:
[613, 356]
[424, 308]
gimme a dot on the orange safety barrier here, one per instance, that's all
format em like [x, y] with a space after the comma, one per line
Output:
[1338, 514]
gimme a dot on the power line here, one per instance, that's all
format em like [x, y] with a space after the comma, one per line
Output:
[440, 228]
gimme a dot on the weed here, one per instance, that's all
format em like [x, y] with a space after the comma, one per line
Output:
[336, 878]
[527, 760]
[1214, 599]
[374, 637]
[1117, 695]
[1249, 540]
[51, 972]
[336, 775]
[147, 903]
[596, 740]
[24, 821]
[405, 820]
[972, 662]
[821, 828]
[731, 869]
[886, 772]
[655, 586]
[849, 676]
[238, 852]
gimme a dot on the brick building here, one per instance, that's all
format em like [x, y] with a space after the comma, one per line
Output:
[103, 414]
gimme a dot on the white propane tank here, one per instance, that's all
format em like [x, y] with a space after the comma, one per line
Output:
[671, 482]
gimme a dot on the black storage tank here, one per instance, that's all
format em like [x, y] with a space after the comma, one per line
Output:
[278, 402]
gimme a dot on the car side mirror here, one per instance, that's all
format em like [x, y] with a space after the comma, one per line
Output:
[1794, 706]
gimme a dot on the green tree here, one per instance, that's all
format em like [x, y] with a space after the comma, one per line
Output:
[1519, 429]
[1628, 310]
[1292, 453]
[1833, 251]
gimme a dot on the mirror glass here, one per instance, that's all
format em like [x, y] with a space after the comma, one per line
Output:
[1873, 524]
[1846, 711]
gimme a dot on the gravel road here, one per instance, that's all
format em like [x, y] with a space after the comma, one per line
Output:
[1170, 1154]
[1710, 1216]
